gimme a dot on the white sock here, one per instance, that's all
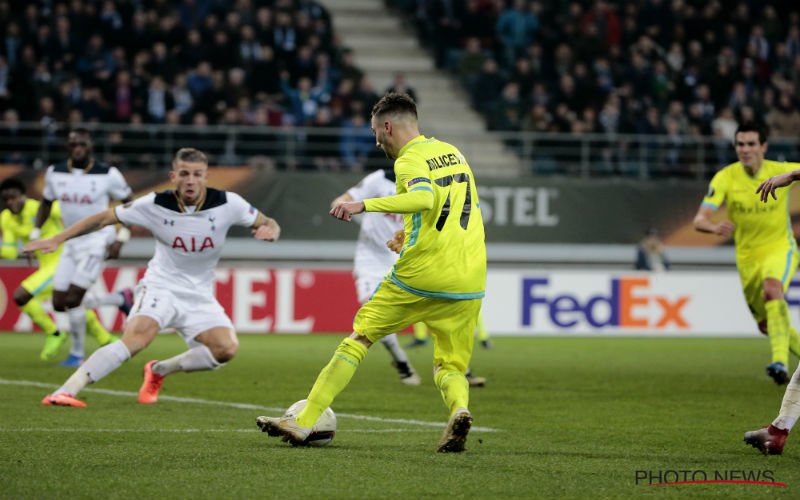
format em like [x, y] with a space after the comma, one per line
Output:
[104, 361]
[393, 346]
[790, 407]
[77, 328]
[62, 321]
[91, 301]
[196, 359]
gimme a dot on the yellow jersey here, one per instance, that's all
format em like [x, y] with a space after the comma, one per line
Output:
[758, 224]
[17, 227]
[444, 254]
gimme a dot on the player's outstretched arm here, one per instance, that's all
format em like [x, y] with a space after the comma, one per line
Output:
[123, 236]
[45, 206]
[266, 228]
[342, 198]
[84, 226]
[345, 210]
[769, 186]
[704, 224]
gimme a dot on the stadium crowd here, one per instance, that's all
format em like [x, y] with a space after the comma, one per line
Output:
[201, 62]
[671, 67]
[675, 69]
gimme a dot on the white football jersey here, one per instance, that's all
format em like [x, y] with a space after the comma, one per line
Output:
[372, 255]
[188, 243]
[83, 193]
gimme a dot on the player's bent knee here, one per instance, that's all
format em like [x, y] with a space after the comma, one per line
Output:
[223, 354]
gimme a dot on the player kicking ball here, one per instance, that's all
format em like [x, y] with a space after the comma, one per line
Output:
[190, 225]
[439, 277]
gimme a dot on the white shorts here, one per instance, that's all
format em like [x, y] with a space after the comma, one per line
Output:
[81, 263]
[366, 286]
[189, 315]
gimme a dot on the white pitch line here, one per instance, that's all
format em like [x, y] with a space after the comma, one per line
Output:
[189, 431]
[242, 406]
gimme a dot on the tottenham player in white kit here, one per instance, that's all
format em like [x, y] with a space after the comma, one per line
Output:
[83, 187]
[373, 258]
[177, 291]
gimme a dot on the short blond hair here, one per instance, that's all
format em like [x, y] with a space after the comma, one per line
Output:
[190, 155]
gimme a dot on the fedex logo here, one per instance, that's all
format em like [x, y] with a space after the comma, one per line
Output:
[627, 304]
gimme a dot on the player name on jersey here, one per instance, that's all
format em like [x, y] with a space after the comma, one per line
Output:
[444, 161]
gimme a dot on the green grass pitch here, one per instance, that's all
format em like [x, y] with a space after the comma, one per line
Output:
[560, 418]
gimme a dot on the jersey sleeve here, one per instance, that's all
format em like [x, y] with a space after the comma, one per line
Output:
[9, 248]
[369, 187]
[49, 192]
[414, 187]
[138, 212]
[413, 174]
[717, 190]
[790, 167]
[241, 212]
[118, 187]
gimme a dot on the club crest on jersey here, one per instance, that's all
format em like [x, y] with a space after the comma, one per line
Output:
[192, 244]
[80, 199]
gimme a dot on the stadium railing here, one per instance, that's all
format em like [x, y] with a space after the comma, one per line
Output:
[343, 149]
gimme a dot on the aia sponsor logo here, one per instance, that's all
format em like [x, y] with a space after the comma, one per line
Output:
[79, 199]
[191, 244]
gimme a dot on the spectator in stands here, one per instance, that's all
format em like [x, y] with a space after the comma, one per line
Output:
[516, 27]
[488, 86]
[400, 85]
[784, 119]
[650, 255]
[472, 60]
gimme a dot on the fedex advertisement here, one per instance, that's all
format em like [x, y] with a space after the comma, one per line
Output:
[518, 302]
[598, 302]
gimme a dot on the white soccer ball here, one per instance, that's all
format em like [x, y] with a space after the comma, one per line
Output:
[323, 431]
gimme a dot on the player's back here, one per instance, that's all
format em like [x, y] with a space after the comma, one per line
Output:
[444, 253]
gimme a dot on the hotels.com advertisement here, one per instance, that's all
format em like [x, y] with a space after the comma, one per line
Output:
[518, 302]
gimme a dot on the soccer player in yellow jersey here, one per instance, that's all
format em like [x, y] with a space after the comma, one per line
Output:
[16, 222]
[766, 251]
[439, 277]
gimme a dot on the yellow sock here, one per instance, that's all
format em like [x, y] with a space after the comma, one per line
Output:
[794, 341]
[332, 380]
[420, 331]
[778, 330]
[36, 312]
[481, 327]
[96, 329]
[453, 386]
